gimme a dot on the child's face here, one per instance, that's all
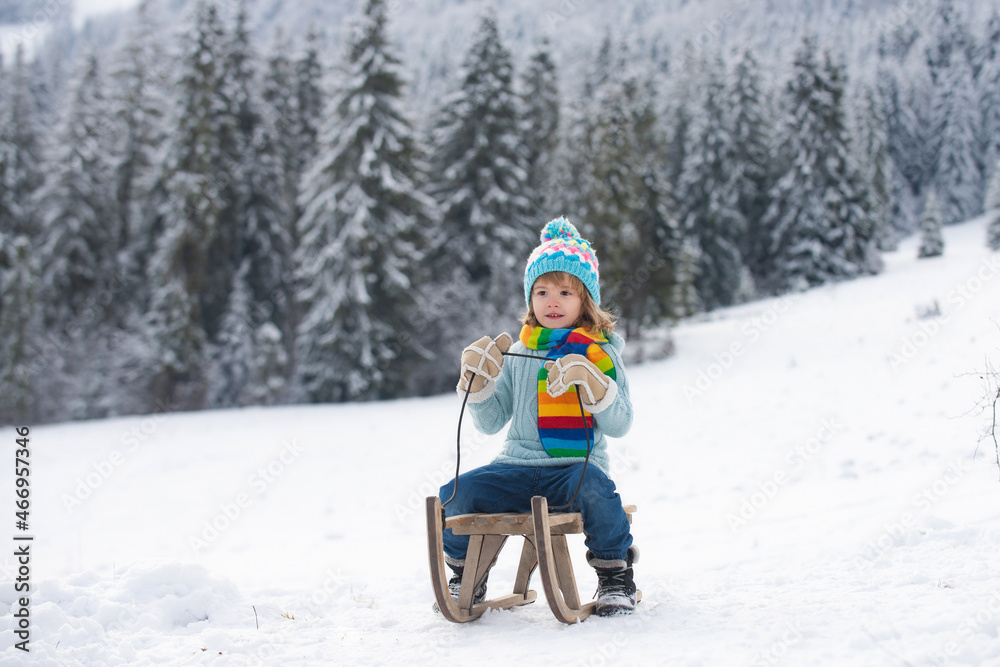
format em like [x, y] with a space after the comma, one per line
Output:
[556, 305]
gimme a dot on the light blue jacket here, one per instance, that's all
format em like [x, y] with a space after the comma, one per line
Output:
[515, 400]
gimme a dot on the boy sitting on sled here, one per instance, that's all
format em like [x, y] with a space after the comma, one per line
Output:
[574, 350]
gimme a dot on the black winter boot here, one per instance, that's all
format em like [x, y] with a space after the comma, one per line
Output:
[615, 586]
[455, 585]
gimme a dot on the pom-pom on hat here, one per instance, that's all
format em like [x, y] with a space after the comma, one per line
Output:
[563, 249]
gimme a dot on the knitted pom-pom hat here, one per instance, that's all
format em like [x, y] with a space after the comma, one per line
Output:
[563, 249]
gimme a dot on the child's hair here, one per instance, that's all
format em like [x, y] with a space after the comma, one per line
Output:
[592, 316]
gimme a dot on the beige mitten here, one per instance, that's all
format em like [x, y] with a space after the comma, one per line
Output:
[596, 389]
[482, 362]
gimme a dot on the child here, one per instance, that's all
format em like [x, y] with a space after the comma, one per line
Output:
[546, 444]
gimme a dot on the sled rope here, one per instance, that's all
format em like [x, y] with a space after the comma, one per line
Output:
[458, 447]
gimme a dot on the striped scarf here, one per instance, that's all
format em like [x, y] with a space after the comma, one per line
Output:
[559, 420]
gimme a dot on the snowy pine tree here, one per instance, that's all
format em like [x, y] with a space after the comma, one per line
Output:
[268, 368]
[685, 297]
[261, 251]
[235, 117]
[948, 42]
[294, 103]
[78, 211]
[708, 196]
[751, 133]
[876, 169]
[642, 283]
[615, 186]
[681, 93]
[191, 269]
[575, 149]
[281, 112]
[114, 376]
[931, 238]
[648, 294]
[540, 125]
[993, 209]
[141, 72]
[988, 86]
[896, 39]
[266, 244]
[310, 106]
[240, 62]
[607, 181]
[819, 226]
[78, 247]
[959, 174]
[479, 162]
[361, 250]
[991, 44]
[979, 51]
[912, 148]
[174, 350]
[17, 309]
[21, 161]
[233, 354]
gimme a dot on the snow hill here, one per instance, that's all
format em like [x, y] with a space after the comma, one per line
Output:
[805, 469]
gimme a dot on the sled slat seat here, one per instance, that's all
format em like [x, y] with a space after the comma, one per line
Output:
[545, 548]
[564, 523]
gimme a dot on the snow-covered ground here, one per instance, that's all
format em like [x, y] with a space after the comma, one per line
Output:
[804, 468]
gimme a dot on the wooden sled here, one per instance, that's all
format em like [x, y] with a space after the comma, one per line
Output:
[544, 547]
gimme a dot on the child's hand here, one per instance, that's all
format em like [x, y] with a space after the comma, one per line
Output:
[576, 369]
[482, 362]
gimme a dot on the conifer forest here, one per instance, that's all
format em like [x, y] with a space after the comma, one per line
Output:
[204, 207]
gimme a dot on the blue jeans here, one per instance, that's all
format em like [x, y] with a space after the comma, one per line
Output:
[502, 487]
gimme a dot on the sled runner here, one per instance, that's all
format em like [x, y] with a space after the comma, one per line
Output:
[544, 547]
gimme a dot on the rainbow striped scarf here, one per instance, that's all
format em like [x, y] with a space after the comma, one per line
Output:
[559, 420]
